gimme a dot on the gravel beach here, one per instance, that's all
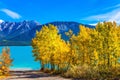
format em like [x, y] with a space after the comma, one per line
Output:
[33, 75]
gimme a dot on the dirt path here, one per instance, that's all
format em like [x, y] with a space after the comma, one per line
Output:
[32, 75]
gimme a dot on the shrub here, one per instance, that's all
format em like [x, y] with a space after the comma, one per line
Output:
[87, 72]
[84, 71]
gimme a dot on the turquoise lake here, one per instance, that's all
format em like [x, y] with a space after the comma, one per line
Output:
[22, 58]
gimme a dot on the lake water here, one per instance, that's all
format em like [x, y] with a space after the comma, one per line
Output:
[23, 58]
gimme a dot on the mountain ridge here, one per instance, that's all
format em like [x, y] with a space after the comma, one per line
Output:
[21, 33]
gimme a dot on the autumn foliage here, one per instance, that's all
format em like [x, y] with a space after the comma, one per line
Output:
[98, 47]
[50, 49]
[93, 52]
[5, 62]
[98, 51]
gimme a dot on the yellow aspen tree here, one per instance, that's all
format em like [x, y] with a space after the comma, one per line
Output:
[48, 47]
[110, 43]
[82, 42]
[6, 61]
[73, 58]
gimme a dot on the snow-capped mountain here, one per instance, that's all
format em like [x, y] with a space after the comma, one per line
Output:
[21, 33]
[10, 30]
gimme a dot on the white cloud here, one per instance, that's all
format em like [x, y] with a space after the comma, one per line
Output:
[12, 14]
[113, 15]
[111, 7]
[1, 20]
[118, 5]
[93, 24]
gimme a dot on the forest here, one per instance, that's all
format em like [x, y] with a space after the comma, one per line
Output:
[91, 54]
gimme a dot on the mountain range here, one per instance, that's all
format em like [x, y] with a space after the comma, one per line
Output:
[21, 33]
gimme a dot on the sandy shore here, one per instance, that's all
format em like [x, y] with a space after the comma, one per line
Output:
[32, 75]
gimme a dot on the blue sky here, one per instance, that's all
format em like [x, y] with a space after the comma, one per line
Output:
[43, 11]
